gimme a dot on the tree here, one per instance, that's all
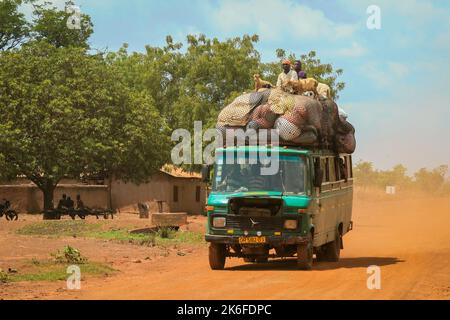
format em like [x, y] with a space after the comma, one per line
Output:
[65, 113]
[52, 25]
[394, 177]
[431, 180]
[13, 26]
[313, 67]
[197, 82]
[157, 72]
[193, 84]
[365, 174]
[215, 71]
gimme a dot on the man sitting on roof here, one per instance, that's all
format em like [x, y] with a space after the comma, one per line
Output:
[286, 75]
[298, 68]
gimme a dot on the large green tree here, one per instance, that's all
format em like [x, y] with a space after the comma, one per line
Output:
[13, 26]
[157, 72]
[193, 83]
[65, 113]
[214, 71]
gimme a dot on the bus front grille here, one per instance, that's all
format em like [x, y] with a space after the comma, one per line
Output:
[254, 223]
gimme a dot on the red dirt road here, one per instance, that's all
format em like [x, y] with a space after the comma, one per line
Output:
[408, 239]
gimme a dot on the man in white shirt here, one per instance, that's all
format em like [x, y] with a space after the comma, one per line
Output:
[287, 74]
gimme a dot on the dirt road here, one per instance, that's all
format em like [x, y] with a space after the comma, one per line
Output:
[408, 239]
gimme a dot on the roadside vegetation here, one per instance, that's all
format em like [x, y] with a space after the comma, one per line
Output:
[428, 181]
[55, 267]
[69, 228]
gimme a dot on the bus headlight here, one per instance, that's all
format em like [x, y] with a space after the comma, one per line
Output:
[219, 222]
[290, 224]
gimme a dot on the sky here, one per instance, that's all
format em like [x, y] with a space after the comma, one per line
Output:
[397, 90]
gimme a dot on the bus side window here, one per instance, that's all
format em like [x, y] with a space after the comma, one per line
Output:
[343, 169]
[327, 170]
[340, 175]
[318, 172]
[350, 166]
[337, 168]
[332, 170]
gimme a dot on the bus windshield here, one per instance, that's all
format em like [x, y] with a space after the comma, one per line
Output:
[238, 177]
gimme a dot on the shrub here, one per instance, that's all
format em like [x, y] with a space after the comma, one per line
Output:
[69, 255]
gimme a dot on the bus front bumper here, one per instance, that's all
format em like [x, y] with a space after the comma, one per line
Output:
[270, 240]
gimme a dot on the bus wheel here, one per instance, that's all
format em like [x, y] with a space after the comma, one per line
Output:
[305, 254]
[333, 249]
[217, 255]
[321, 254]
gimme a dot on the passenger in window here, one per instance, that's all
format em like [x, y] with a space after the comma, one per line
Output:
[343, 169]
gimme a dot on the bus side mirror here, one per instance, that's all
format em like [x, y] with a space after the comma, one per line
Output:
[206, 173]
[318, 178]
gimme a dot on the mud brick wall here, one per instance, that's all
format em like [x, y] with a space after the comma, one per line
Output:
[28, 198]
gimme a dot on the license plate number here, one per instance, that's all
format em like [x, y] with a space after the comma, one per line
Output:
[251, 240]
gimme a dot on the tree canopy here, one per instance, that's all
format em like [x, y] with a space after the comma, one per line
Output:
[52, 25]
[13, 26]
[195, 80]
[427, 180]
[66, 113]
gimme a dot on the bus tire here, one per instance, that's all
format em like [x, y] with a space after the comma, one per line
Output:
[321, 254]
[305, 254]
[217, 255]
[333, 249]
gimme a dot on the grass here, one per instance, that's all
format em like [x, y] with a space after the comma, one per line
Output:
[3, 276]
[123, 236]
[49, 270]
[59, 228]
[163, 237]
[182, 237]
[56, 269]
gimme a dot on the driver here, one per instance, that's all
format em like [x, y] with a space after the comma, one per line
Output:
[231, 182]
[256, 182]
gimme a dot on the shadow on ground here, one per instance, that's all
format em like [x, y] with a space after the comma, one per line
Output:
[291, 264]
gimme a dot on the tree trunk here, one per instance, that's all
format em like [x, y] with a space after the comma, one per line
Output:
[47, 191]
[110, 191]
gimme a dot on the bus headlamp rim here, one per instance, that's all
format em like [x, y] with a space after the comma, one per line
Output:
[290, 224]
[219, 222]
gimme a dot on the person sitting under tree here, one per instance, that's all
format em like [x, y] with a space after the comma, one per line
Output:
[70, 203]
[62, 204]
[80, 204]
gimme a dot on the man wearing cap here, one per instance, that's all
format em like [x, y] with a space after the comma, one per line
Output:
[287, 74]
[298, 68]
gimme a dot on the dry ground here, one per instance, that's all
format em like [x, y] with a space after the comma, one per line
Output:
[408, 237]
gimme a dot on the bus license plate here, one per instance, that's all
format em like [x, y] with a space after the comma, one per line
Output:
[251, 240]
